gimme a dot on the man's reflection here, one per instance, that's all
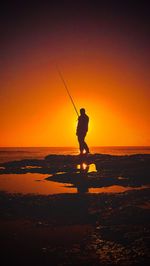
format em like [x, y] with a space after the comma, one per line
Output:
[82, 185]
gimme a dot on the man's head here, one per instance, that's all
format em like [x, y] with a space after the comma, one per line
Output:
[82, 111]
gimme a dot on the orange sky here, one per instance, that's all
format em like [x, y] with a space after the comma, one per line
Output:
[106, 72]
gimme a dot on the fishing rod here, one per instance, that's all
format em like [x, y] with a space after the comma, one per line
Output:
[65, 85]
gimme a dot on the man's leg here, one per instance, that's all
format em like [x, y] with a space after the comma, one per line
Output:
[86, 147]
[81, 143]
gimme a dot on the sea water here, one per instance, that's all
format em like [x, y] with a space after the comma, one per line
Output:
[12, 153]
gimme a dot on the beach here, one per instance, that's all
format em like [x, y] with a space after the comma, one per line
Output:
[103, 220]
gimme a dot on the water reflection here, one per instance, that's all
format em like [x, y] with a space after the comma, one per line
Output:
[82, 185]
[87, 167]
[86, 178]
[83, 167]
[77, 178]
[32, 184]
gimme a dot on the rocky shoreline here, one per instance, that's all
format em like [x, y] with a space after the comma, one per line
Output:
[82, 228]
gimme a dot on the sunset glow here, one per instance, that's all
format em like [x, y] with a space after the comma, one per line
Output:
[106, 71]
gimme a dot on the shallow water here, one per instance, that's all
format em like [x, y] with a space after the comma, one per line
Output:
[30, 183]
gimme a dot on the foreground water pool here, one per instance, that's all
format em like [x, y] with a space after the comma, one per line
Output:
[37, 184]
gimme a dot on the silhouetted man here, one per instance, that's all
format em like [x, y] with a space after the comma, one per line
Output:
[82, 129]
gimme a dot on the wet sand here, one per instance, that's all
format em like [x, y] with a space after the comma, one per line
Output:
[79, 228]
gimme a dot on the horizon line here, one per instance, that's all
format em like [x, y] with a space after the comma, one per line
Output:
[74, 146]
